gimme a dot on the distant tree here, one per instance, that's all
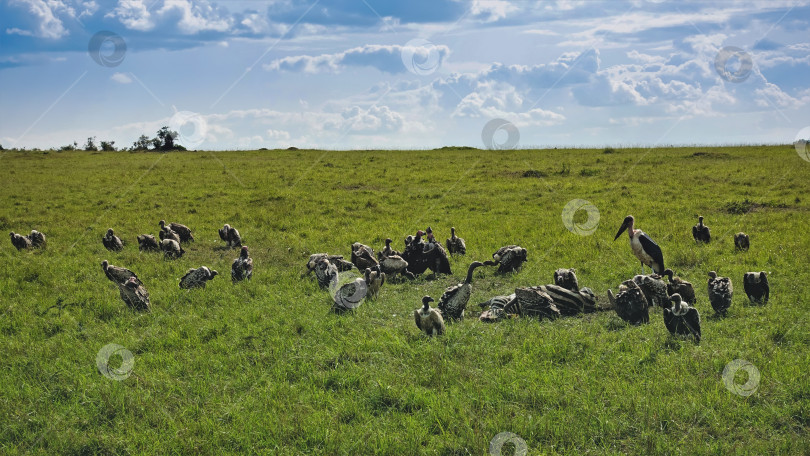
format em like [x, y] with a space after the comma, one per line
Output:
[166, 138]
[91, 144]
[108, 145]
[68, 147]
[156, 143]
[142, 143]
[1, 147]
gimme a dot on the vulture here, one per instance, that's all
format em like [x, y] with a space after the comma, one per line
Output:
[654, 289]
[134, 294]
[681, 319]
[508, 258]
[434, 250]
[680, 286]
[456, 245]
[644, 248]
[756, 287]
[112, 242]
[117, 274]
[242, 266]
[196, 278]
[454, 299]
[429, 320]
[148, 243]
[741, 241]
[408, 239]
[701, 232]
[326, 273]
[394, 264]
[532, 302]
[387, 251]
[422, 256]
[630, 303]
[566, 278]
[168, 233]
[341, 264]
[720, 292]
[20, 241]
[171, 249]
[350, 295]
[375, 279]
[363, 256]
[231, 236]
[37, 239]
[431, 239]
[182, 230]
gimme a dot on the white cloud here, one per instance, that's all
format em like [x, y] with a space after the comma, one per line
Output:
[492, 10]
[195, 17]
[278, 134]
[386, 58]
[49, 26]
[121, 78]
[133, 14]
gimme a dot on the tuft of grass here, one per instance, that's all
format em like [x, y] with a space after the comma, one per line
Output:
[534, 173]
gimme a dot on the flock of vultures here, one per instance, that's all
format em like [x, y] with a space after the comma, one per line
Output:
[422, 252]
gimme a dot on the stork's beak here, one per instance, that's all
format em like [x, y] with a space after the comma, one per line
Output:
[621, 230]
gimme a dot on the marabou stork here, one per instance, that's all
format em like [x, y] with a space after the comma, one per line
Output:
[644, 248]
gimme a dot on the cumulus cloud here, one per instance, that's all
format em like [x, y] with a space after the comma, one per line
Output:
[47, 25]
[121, 78]
[196, 17]
[492, 10]
[372, 120]
[386, 58]
[133, 14]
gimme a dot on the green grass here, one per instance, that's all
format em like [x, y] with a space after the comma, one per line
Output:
[264, 367]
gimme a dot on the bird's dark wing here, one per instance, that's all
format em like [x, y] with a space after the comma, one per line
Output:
[696, 233]
[653, 250]
[692, 321]
[418, 319]
[765, 287]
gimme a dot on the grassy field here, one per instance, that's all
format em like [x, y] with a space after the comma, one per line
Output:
[264, 367]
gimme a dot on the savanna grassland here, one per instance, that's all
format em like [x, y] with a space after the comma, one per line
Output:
[265, 368]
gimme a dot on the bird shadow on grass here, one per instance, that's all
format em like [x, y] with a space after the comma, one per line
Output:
[717, 317]
[617, 324]
[60, 304]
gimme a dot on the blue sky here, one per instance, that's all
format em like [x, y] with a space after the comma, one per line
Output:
[408, 74]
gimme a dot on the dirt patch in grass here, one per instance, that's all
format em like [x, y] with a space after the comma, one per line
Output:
[745, 206]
